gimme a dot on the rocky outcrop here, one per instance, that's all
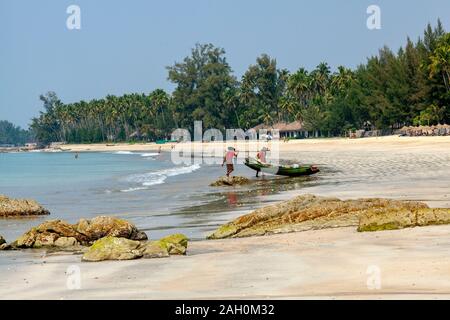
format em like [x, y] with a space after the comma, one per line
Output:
[2, 240]
[62, 234]
[230, 181]
[308, 212]
[113, 248]
[103, 226]
[377, 220]
[20, 207]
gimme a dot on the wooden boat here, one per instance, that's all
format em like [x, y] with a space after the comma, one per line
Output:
[289, 171]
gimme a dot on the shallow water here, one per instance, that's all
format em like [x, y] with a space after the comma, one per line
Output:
[146, 188]
[162, 198]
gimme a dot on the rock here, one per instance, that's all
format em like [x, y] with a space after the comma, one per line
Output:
[45, 239]
[2, 240]
[85, 232]
[62, 229]
[26, 240]
[112, 248]
[377, 220]
[65, 242]
[20, 207]
[103, 226]
[308, 212]
[154, 249]
[175, 243]
[230, 181]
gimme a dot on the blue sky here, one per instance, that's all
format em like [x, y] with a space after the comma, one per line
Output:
[124, 46]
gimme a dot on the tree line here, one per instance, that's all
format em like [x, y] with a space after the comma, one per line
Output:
[392, 89]
[13, 135]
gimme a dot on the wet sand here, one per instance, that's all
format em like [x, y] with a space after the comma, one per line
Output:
[333, 263]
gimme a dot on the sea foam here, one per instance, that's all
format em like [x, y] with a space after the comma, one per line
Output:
[157, 177]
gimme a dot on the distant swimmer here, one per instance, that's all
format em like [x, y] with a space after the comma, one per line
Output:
[76, 155]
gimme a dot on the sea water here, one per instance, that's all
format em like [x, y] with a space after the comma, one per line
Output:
[146, 188]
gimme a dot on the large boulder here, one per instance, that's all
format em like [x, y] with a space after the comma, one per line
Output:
[230, 181]
[2, 240]
[60, 233]
[378, 220]
[308, 212]
[103, 226]
[113, 248]
[20, 207]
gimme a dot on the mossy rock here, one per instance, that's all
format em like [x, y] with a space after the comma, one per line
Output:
[377, 220]
[309, 212]
[155, 249]
[175, 243]
[113, 248]
[85, 232]
[225, 231]
[230, 181]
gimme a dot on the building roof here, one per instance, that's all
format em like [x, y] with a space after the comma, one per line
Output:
[281, 126]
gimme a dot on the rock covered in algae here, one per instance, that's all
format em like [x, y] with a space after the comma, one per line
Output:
[309, 212]
[20, 207]
[60, 233]
[378, 220]
[175, 244]
[230, 181]
[113, 248]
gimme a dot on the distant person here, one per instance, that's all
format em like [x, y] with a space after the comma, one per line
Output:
[159, 150]
[228, 159]
[76, 155]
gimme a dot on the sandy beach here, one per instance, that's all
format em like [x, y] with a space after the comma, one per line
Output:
[332, 263]
[325, 264]
[386, 143]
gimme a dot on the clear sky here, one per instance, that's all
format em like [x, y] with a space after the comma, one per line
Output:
[124, 46]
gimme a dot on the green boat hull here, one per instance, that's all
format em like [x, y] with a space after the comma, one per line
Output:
[282, 170]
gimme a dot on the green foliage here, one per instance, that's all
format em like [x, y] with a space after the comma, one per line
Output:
[13, 135]
[204, 89]
[392, 89]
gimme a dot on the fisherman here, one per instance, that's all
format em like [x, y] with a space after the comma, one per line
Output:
[228, 159]
[262, 157]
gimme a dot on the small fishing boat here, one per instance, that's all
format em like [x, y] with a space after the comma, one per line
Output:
[289, 171]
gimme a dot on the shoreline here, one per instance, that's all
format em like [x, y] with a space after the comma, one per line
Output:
[324, 264]
[393, 143]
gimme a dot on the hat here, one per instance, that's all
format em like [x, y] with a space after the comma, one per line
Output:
[264, 149]
[231, 149]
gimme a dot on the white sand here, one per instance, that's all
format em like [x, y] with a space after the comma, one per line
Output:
[412, 263]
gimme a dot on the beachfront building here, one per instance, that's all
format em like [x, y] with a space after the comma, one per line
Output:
[286, 129]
